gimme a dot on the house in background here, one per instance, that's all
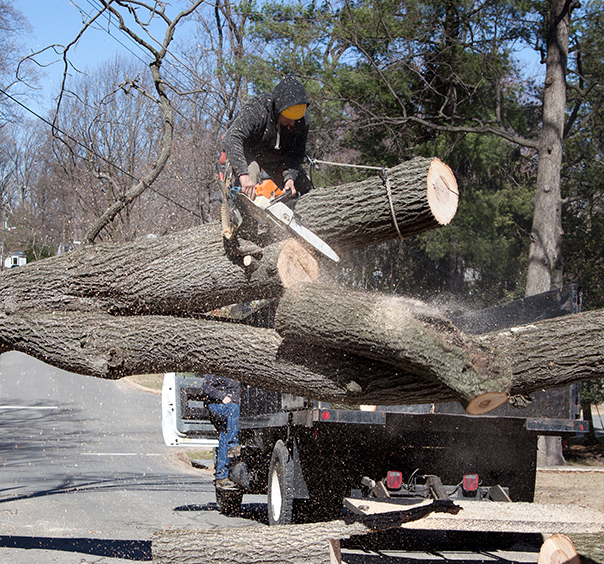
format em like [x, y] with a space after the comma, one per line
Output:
[17, 258]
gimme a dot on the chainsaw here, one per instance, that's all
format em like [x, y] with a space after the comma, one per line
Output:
[268, 207]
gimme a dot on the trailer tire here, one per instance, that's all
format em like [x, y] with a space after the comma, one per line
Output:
[228, 502]
[280, 486]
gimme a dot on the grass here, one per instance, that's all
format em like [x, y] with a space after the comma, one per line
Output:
[200, 454]
[151, 381]
[590, 547]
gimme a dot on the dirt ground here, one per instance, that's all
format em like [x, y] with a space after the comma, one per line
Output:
[581, 482]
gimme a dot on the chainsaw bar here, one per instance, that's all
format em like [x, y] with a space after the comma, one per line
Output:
[277, 213]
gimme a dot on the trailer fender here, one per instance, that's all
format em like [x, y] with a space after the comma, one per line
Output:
[300, 487]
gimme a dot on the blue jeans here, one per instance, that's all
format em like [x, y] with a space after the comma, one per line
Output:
[225, 417]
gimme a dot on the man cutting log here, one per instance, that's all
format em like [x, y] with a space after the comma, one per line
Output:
[269, 133]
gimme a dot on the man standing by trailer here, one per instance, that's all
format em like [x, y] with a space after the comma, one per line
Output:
[270, 133]
[223, 398]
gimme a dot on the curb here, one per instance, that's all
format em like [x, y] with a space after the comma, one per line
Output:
[571, 469]
[139, 387]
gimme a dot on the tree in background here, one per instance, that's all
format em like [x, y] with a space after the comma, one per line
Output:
[444, 78]
[583, 185]
[13, 25]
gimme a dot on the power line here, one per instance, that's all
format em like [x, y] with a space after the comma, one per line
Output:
[77, 142]
[111, 21]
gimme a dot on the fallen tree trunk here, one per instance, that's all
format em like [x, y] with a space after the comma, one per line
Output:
[551, 353]
[112, 347]
[192, 271]
[416, 196]
[305, 543]
[59, 310]
[290, 544]
[179, 274]
[403, 333]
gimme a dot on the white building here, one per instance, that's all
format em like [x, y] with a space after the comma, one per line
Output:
[17, 258]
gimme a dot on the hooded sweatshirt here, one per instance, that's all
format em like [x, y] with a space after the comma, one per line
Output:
[255, 133]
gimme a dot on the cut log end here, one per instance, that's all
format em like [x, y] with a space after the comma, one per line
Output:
[486, 402]
[558, 549]
[442, 192]
[296, 264]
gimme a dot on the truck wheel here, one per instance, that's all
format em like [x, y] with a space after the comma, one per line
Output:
[280, 486]
[228, 502]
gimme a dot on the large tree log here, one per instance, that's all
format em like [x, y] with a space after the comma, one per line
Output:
[190, 271]
[58, 310]
[290, 544]
[547, 354]
[416, 196]
[178, 274]
[404, 333]
[112, 347]
[552, 353]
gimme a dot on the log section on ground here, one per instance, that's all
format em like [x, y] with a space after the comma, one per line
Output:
[191, 271]
[287, 544]
[404, 333]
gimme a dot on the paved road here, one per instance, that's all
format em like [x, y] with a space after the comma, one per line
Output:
[86, 476]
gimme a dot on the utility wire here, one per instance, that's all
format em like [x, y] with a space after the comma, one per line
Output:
[173, 75]
[77, 142]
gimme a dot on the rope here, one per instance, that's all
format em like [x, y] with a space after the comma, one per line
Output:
[314, 162]
[386, 180]
[383, 176]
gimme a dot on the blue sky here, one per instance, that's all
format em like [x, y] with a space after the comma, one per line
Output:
[59, 22]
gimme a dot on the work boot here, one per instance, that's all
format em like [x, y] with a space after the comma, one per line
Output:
[239, 474]
[234, 452]
[226, 484]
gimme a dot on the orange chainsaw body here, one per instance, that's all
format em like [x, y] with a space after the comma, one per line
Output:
[268, 189]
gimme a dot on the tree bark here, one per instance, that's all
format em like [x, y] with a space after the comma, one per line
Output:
[289, 544]
[403, 333]
[416, 196]
[111, 347]
[545, 253]
[550, 353]
[95, 312]
[191, 271]
[187, 272]
[549, 451]
[553, 353]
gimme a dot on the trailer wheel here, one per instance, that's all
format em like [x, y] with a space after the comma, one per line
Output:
[228, 502]
[280, 486]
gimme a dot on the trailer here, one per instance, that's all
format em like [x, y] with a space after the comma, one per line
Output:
[309, 456]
